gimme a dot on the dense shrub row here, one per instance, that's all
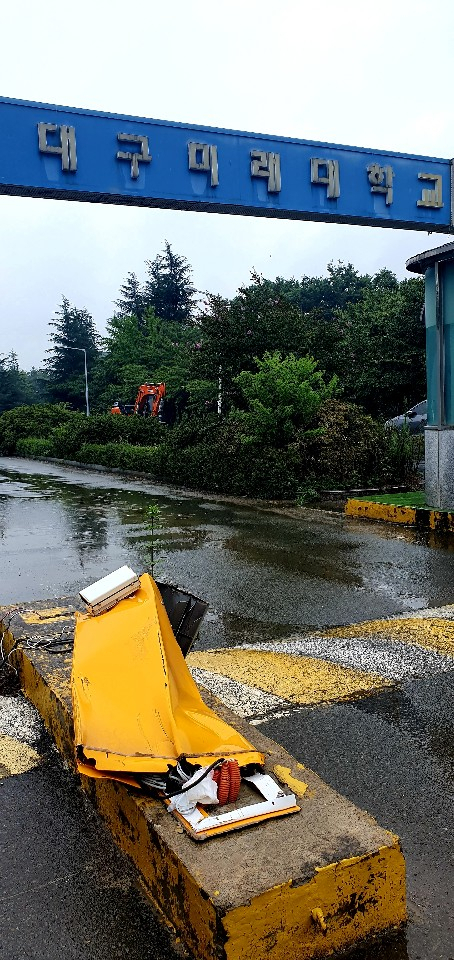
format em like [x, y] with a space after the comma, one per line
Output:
[68, 430]
[345, 448]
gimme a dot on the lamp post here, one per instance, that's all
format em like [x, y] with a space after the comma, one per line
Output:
[83, 350]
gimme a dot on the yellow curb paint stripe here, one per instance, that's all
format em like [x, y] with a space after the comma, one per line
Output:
[311, 918]
[440, 520]
[284, 775]
[397, 513]
[47, 616]
[380, 511]
[433, 634]
[302, 680]
[16, 757]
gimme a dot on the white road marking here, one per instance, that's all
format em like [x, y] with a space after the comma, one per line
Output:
[19, 719]
[244, 700]
[389, 659]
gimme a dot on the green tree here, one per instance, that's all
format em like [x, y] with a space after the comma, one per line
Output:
[136, 352]
[16, 387]
[291, 316]
[71, 328]
[37, 379]
[132, 301]
[323, 297]
[283, 397]
[168, 288]
[364, 329]
[325, 294]
[232, 333]
[380, 354]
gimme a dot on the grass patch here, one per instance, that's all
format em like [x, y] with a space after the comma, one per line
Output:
[415, 499]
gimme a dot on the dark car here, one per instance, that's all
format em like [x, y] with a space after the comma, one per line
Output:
[415, 419]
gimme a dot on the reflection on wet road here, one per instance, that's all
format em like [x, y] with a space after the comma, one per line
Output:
[264, 573]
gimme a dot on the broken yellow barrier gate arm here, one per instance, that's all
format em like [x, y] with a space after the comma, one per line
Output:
[136, 707]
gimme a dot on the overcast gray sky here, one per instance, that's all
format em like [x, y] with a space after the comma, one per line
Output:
[344, 71]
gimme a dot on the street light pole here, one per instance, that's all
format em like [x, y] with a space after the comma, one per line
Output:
[83, 350]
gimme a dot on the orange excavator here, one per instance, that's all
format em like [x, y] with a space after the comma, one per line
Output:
[148, 403]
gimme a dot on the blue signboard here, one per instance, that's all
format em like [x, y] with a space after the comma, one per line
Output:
[72, 154]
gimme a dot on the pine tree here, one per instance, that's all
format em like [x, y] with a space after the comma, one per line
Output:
[169, 288]
[74, 332]
[132, 301]
[15, 388]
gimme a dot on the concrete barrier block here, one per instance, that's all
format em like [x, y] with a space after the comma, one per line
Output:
[302, 886]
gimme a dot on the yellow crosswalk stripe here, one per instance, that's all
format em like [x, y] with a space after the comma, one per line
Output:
[432, 633]
[301, 680]
[16, 757]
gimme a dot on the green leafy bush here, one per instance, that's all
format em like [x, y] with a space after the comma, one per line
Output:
[31, 421]
[283, 395]
[104, 428]
[351, 449]
[34, 447]
[122, 455]
[343, 448]
[67, 430]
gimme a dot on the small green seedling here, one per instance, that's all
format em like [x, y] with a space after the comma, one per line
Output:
[153, 522]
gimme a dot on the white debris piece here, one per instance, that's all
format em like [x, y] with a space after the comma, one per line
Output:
[204, 792]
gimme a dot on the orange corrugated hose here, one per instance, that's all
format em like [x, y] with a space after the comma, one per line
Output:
[228, 779]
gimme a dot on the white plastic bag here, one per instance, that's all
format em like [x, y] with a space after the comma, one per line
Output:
[205, 792]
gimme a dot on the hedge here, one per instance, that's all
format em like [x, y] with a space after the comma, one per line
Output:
[347, 448]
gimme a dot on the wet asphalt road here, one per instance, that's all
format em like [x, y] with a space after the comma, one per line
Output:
[66, 891]
[266, 576]
[393, 754]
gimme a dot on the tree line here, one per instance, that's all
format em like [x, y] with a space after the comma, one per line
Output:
[361, 336]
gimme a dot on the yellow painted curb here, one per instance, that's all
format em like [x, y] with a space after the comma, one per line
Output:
[311, 915]
[306, 885]
[380, 511]
[440, 521]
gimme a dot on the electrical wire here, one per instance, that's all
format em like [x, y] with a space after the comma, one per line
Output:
[157, 783]
[63, 643]
[195, 783]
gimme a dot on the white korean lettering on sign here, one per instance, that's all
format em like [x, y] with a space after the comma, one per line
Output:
[66, 148]
[431, 198]
[138, 156]
[381, 181]
[329, 177]
[267, 164]
[60, 140]
[203, 157]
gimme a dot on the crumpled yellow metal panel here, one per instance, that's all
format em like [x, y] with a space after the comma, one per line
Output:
[136, 706]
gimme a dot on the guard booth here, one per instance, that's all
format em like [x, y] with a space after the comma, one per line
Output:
[437, 265]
